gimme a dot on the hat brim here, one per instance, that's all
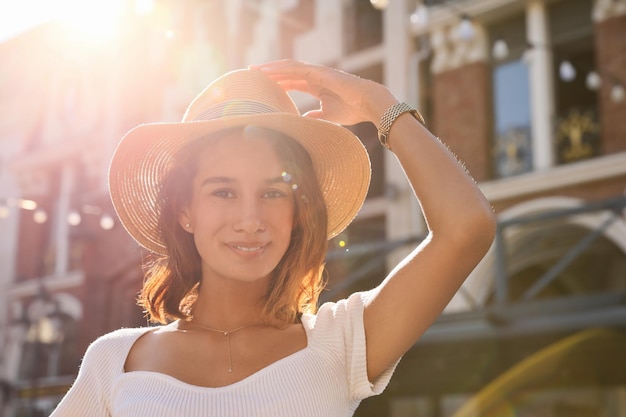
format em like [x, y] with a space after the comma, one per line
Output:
[142, 157]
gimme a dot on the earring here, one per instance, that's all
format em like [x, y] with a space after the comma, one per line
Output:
[186, 225]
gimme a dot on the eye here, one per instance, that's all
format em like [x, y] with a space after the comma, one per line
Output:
[274, 194]
[223, 193]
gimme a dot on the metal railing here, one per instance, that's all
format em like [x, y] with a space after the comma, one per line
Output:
[614, 205]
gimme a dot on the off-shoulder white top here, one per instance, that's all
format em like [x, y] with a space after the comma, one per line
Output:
[327, 378]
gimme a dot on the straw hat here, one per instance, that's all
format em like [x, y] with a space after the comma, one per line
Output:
[239, 98]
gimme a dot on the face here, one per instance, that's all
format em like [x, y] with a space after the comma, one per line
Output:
[241, 210]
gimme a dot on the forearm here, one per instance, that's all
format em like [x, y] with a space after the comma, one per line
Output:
[451, 202]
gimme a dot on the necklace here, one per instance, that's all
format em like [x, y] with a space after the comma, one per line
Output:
[225, 333]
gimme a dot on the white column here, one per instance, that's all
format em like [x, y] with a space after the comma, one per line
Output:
[403, 214]
[328, 31]
[542, 101]
[61, 232]
[9, 229]
[265, 38]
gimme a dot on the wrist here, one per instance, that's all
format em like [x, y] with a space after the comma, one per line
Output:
[390, 116]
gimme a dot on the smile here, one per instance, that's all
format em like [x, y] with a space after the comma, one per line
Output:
[249, 248]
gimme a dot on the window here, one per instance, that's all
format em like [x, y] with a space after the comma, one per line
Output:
[511, 119]
[577, 133]
[512, 152]
[38, 242]
[35, 250]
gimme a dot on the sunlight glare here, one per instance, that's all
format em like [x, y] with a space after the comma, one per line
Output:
[143, 7]
[96, 18]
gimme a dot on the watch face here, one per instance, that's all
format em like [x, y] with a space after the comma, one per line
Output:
[513, 152]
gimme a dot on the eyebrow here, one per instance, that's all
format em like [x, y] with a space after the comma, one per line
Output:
[216, 180]
[228, 180]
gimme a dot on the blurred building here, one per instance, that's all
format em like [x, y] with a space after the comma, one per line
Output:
[528, 93]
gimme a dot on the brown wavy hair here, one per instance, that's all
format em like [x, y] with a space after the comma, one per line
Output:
[171, 284]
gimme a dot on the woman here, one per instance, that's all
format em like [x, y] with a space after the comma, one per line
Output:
[237, 201]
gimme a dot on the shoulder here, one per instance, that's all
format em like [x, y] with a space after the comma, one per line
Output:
[112, 348]
[334, 310]
[337, 317]
[120, 337]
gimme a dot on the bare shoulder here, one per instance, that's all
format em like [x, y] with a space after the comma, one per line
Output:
[147, 348]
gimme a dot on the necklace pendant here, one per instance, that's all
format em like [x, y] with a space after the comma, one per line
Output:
[226, 333]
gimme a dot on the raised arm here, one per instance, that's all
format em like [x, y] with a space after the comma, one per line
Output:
[460, 221]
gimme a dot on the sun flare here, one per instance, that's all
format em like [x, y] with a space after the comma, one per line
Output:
[94, 18]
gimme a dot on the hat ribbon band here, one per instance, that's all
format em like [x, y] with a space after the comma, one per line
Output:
[234, 108]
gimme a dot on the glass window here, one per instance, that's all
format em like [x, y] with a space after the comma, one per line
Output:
[511, 119]
[577, 132]
[512, 152]
[35, 250]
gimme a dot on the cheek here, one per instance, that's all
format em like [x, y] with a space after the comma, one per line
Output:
[205, 227]
[285, 220]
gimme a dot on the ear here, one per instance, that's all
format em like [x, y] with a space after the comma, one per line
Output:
[184, 222]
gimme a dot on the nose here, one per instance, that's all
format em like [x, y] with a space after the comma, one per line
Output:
[249, 217]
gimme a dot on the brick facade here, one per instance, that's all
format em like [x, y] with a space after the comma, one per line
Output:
[462, 115]
[610, 44]
[112, 264]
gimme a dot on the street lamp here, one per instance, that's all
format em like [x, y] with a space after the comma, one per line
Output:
[42, 322]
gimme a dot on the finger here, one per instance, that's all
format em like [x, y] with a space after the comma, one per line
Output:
[314, 114]
[301, 86]
[287, 78]
[290, 84]
[298, 85]
[292, 70]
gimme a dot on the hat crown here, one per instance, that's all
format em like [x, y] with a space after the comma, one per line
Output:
[238, 93]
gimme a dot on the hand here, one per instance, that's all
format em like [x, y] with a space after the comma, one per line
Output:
[344, 98]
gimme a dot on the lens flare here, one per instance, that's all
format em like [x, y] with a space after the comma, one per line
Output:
[98, 19]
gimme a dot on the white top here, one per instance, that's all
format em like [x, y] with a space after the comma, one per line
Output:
[327, 378]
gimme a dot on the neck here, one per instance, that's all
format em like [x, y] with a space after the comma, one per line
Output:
[225, 332]
[227, 305]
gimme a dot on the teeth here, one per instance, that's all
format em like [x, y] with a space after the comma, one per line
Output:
[248, 249]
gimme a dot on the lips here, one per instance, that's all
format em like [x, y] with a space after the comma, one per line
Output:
[252, 247]
[248, 248]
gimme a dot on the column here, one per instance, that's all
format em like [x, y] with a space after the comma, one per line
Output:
[541, 85]
[403, 214]
[61, 230]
